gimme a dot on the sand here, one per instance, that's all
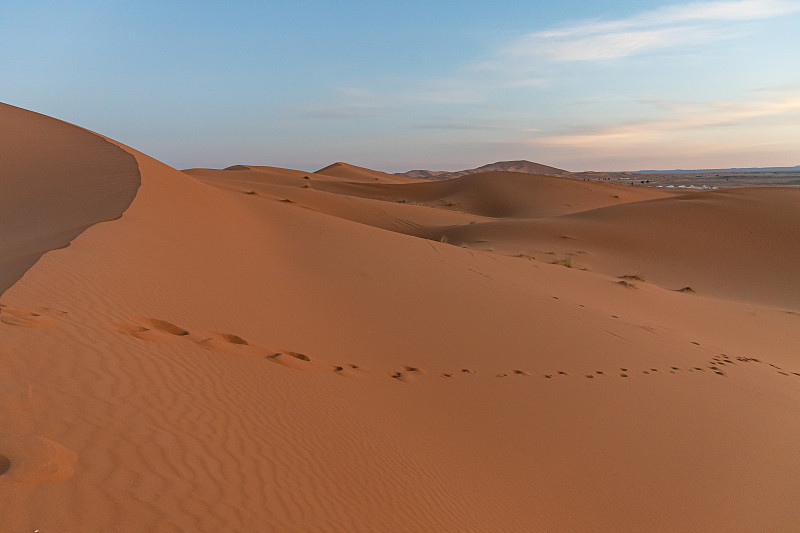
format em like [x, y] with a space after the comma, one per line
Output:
[264, 349]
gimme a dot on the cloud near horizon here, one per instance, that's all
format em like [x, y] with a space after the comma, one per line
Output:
[763, 131]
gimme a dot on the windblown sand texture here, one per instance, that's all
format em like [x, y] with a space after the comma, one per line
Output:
[262, 349]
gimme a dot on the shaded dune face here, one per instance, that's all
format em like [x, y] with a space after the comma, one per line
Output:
[68, 177]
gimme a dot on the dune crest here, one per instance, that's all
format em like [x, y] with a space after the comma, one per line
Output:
[68, 177]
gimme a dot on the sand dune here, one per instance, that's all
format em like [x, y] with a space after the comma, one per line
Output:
[502, 194]
[251, 350]
[738, 243]
[57, 180]
[354, 173]
[526, 167]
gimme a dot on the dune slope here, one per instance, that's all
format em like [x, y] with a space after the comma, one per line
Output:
[55, 181]
[502, 194]
[215, 360]
[736, 243]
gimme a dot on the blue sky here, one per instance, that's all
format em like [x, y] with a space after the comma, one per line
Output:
[601, 85]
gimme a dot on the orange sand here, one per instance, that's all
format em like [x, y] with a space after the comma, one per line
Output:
[261, 349]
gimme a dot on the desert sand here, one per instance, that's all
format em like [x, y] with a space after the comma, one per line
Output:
[265, 349]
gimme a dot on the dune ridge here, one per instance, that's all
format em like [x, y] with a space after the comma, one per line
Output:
[269, 350]
[526, 167]
[67, 176]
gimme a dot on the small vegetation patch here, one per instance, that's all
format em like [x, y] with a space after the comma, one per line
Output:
[568, 262]
[687, 289]
[632, 277]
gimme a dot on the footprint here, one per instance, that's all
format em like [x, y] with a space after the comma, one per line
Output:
[165, 327]
[36, 459]
[229, 343]
[348, 370]
[234, 339]
[5, 464]
[296, 360]
[409, 373]
[13, 316]
[151, 329]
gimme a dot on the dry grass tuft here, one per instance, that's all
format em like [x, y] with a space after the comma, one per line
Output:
[568, 262]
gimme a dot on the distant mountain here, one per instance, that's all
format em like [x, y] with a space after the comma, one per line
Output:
[711, 170]
[507, 166]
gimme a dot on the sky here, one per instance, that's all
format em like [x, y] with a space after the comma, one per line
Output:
[439, 85]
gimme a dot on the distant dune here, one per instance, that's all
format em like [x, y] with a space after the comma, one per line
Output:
[504, 166]
[354, 173]
[266, 349]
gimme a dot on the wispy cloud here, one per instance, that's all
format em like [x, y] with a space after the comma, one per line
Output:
[609, 45]
[682, 25]
[681, 119]
[350, 103]
[472, 122]
[456, 126]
